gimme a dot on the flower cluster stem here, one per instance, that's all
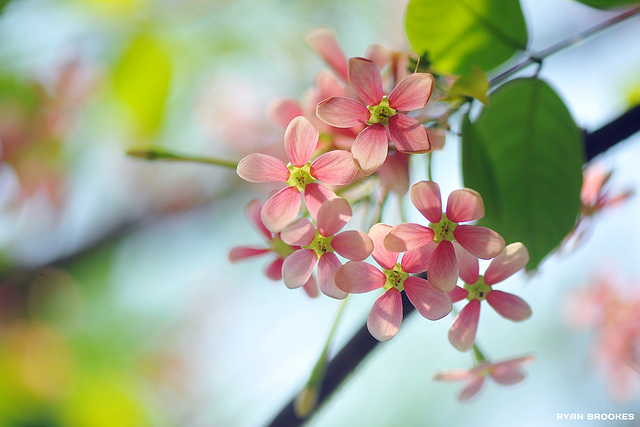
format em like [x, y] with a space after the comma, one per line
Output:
[159, 153]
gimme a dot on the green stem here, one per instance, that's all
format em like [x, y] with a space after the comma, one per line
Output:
[158, 153]
[429, 164]
[480, 357]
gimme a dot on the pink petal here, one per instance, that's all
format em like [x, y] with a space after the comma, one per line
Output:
[462, 334]
[464, 205]
[512, 259]
[342, 112]
[253, 212]
[514, 364]
[437, 138]
[386, 315]
[311, 287]
[443, 267]
[408, 134]
[431, 304]
[282, 111]
[315, 195]
[381, 55]
[259, 167]
[394, 173]
[297, 267]
[509, 305]
[506, 376]
[356, 277]
[325, 85]
[407, 236]
[335, 167]
[281, 209]
[328, 265]
[299, 233]
[353, 244]
[479, 241]
[240, 253]
[458, 294]
[471, 389]
[274, 269]
[417, 260]
[383, 256]
[332, 216]
[454, 375]
[300, 141]
[469, 269]
[425, 196]
[412, 92]
[365, 80]
[370, 148]
[323, 41]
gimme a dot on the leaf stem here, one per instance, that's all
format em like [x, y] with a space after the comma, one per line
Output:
[158, 153]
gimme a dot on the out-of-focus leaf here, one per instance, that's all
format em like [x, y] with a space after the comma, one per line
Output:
[474, 85]
[608, 4]
[115, 7]
[3, 5]
[458, 34]
[524, 154]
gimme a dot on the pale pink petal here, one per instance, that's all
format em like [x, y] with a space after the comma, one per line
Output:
[282, 111]
[274, 269]
[454, 375]
[412, 92]
[328, 265]
[323, 41]
[517, 363]
[365, 80]
[509, 305]
[259, 167]
[464, 205]
[425, 196]
[370, 148]
[253, 212]
[356, 277]
[512, 259]
[240, 253]
[300, 141]
[458, 294]
[315, 195]
[506, 376]
[431, 304]
[482, 242]
[342, 112]
[386, 315]
[462, 334]
[408, 134]
[299, 233]
[332, 216]
[468, 266]
[407, 236]
[311, 287]
[383, 256]
[379, 54]
[297, 267]
[394, 173]
[417, 260]
[325, 86]
[335, 167]
[443, 267]
[437, 138]
[281, 209]
[474, 386]
[352, 244]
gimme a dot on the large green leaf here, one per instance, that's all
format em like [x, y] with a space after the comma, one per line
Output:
[458, 34]
[524, 154]
[608, 4]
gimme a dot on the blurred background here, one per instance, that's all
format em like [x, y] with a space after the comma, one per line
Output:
[118, 306]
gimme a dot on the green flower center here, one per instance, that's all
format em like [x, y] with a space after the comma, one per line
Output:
[395, 278]
[280, 248]
[443, 229]
[381, 113]
[320, 244]
[478, 290]
[300, 177]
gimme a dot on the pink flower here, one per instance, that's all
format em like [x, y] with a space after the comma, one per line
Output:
[506, 372]
[386, 315]
[319, 244]
[462, 205]
[381, 114]
[300, 140]
[479, 288]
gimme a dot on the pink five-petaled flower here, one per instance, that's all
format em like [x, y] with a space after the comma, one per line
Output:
[300, 140]
[380, 113]
[319, 244]
[506, 372]
[477, 288]
[463, 205]
[386, 315]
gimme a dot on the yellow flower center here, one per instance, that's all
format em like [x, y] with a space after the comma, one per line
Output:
[381, 113]
[395, 278]
[443, 229]
[300, 177]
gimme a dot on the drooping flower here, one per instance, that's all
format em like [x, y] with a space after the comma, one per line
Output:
[478, 288]
[506, 372]
[300, 175]
[319, 245]
[444, 229]
[384, 115]
[386, 315]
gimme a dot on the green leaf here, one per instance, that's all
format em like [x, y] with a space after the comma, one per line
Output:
[458, 34]
[474, 85]
[608, 4]
[524, 154]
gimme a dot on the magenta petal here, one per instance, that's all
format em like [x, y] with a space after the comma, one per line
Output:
[386, 315]
[370, 148]
[412, 92]
[443, 267]
[356, 277]
[335, 167]
[315, 195]
[469, 269]
[300, 141]
[474, 386]
[482, 242]
[299, 233]
[462, 334]
[464, 205]
[282, 111]
[328, 265]
[274, 269]
[352, 244]
[458, 294]
[509, 305]
[259, 167]
[332, 216]
[431, 304]
[404, 237]
[297, 267]
[240, 253]
[512, 259]
[417, 260]
[281, 209]
[408, 134]
[342, 112]
[383, 256]
[311, 287]
[254, 208]
[365, 80]
[425, 196]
